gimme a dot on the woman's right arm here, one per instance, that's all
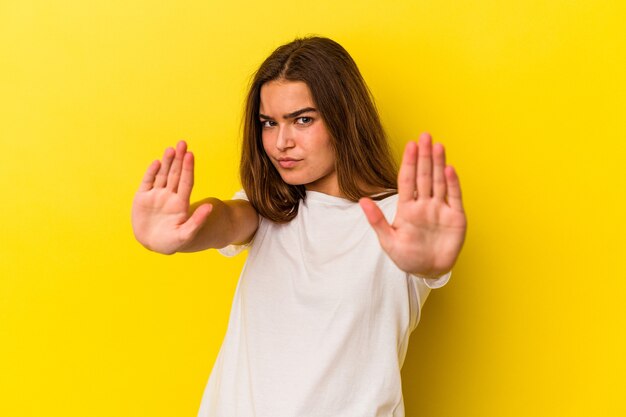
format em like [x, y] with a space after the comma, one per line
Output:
[230, 222]
[164, 221]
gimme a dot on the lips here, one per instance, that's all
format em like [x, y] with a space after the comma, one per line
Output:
[288, 162]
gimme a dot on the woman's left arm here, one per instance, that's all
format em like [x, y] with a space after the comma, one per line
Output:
[429, 228]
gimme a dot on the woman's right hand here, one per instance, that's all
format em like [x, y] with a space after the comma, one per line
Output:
[160, 214]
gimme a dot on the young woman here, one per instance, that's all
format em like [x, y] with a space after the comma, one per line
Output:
[341, 257]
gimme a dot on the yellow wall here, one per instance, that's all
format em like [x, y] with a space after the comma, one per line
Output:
[527, 96]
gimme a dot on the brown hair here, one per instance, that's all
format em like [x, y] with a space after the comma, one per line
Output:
[363, 158]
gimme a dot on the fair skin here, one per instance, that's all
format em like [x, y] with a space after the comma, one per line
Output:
[425, 237]
[164, 221]
[295, 137]
[429, 228]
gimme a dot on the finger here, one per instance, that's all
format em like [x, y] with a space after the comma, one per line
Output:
[193, 224]
[186, 179]
[406, 175]
[454, 188]
[148, 179]
[161, 178]
[424, 167]
[377, 220]
[439, 181]
[173, 176]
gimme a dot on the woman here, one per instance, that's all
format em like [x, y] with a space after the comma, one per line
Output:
[331, 290]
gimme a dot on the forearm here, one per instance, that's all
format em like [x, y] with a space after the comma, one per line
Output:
[230, 221]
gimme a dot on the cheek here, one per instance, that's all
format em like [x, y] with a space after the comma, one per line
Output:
[319, 139]
[331, 160]
[327, 150]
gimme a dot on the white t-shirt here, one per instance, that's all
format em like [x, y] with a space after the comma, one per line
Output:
[320, 320]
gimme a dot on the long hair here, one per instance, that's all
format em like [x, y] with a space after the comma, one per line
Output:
[362, 154]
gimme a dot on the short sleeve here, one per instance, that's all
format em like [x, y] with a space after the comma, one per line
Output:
[240, 195]
[232, 250]
[438, 282]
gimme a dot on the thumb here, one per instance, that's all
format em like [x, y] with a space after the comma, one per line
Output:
[195, 221]
[377, 220]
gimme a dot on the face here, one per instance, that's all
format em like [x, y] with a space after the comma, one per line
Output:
[295, 137]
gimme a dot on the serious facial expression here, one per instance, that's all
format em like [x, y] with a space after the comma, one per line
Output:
[295, 137]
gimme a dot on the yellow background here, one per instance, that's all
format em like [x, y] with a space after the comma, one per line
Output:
[527, 96]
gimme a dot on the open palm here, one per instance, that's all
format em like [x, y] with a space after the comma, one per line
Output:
[160, 213]
[429, 227]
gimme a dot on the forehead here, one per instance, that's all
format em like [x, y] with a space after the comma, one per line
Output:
[283, 96]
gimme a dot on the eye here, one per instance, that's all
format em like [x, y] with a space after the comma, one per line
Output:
[304, 120]
[267, 123]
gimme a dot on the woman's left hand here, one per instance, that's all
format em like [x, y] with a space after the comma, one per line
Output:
[428, 230]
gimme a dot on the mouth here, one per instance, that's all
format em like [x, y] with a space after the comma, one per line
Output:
[288, 162]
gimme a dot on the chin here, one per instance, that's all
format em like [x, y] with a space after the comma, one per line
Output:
[291, 181]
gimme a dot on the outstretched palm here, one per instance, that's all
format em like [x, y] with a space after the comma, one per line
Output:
[160, 214]
[428, 230]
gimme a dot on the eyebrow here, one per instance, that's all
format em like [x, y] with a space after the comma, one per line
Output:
[292, 114]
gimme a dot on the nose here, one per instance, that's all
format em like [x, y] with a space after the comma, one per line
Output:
[284, 140]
